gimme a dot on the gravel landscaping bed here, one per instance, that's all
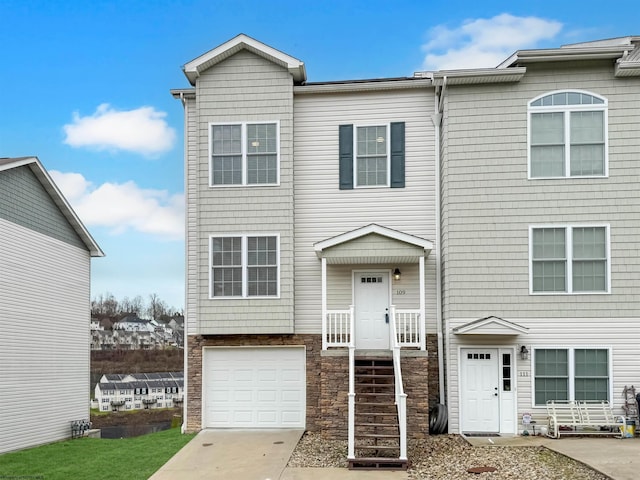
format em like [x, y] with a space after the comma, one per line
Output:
[449, 457]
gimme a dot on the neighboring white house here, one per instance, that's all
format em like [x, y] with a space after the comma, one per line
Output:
[45, 260]
[137, 391]
[487, 218]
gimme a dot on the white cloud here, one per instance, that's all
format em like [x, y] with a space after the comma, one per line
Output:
[143, 130]
[123, 206]
[485, 42]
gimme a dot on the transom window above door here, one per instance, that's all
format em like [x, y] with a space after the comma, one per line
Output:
[568, 135]
[244, 154]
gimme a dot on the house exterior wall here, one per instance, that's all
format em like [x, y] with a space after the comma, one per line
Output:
[24, 201]
[322, 210]
[45, 288]
[488, 205]
[242, 88]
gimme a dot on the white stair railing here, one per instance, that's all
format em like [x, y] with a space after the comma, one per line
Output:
[351, 453]
[401, 397]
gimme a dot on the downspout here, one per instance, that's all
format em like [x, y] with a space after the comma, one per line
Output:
[185, 329]
[437, 122]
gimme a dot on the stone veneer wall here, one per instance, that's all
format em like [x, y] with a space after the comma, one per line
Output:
[415, 379]
[327, 383]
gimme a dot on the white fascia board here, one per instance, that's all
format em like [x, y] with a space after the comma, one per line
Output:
[565, 54]
[193, 68]
[477, 326]
[480, 75]
[373, 228]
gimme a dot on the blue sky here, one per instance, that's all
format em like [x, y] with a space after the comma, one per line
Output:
[85, 88]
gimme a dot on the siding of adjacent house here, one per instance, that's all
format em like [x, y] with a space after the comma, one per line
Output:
[44, 345]
[24, 201]
[323, 211]
[489, 204]
[244, 87]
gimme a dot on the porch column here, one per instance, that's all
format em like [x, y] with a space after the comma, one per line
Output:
[423, 339]
[324, 303]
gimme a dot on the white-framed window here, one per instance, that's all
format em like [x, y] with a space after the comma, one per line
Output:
[244, 266]
[574, 373]
[244, 153]
[568, 135]
[569, 259]
[372, 160]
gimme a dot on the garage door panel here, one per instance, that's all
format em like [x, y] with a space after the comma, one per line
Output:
[254, 387]
[267, 396]
[243, 396]
[290, 396]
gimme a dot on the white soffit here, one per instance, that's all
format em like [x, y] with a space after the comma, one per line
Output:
[490, 326]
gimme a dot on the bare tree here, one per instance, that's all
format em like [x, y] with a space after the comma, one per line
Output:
[157, 308]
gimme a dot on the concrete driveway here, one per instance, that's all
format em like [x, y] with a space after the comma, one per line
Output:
[231, 454]
[252, 455]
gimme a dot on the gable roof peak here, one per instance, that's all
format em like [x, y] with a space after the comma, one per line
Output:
[195, 67]
[56, 195]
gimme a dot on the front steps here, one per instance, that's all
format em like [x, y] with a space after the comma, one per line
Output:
[377, 434]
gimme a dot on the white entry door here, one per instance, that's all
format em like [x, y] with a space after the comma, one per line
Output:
[371, 310]
[480, 391]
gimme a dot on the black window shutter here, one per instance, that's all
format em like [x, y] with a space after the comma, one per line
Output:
[397, 155]
[346, 157]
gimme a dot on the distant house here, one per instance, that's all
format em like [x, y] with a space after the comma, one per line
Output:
[132, 323]
[133, 333]
[138, 391]
[45, 257]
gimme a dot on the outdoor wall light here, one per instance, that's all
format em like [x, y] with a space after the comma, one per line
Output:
[524, 353]
[397, 274]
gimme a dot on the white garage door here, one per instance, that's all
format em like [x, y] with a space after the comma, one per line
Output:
[254, 387]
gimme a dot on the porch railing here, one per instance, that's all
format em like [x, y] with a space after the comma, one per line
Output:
[337, 328]
[401, 397]
[409, 328]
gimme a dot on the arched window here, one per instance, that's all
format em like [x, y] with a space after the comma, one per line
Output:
[568, 135]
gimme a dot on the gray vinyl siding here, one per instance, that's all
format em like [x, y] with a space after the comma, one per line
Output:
[24, 201]
[44, 345]
[619, 334]
[244, 88]
[489, 203]
[322, 210]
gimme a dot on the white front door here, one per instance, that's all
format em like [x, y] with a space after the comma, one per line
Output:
[480, 390]
[371, 293]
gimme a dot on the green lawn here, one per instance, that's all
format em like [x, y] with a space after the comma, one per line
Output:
[131, 458]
